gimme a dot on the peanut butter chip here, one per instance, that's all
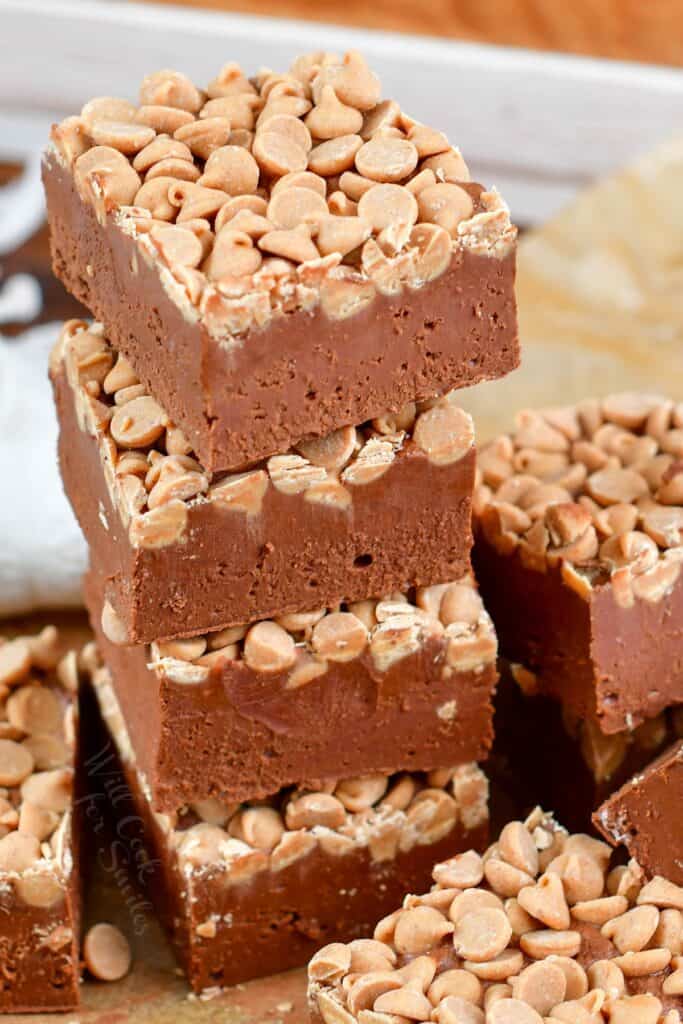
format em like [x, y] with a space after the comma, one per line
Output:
[339, 636]
[170, 89]
[231, 169]
[16, 763]
[633, 930]
[404, 1002]
[106, 953]
[18, 851]
[279, 154]
[386, 159]
[15, 661]
[512, 1011]
[384, 205]
[612, 485]
[546, 901]
[482, 934]
[49, 790]
[419, 929]
[107, 176]
[333, 451]
[331, 118]
[542, 985]
[362, 793]
[138, 423]
[331, 962]
[455, 1009]
[294, 205]
[446, 205]
[334, 156]
[295, 244]
[126, 138]
[445, 433]
[269, 648]
[34, 709]
[517, 847]
[315, 809]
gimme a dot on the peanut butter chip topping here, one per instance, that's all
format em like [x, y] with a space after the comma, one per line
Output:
[592, 489]
[151, 471]
[468, 952]
[380, 813]
[106, 952]
[38, 680]
[181, 154]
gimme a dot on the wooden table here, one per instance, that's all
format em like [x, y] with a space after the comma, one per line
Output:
[641, 30]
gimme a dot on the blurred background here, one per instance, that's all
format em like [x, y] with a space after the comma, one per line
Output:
[573, 110]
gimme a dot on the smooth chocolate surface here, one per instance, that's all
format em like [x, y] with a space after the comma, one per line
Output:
[410, 527]
[242, 734]
[617, 665]
[645, 816]
[305, 374]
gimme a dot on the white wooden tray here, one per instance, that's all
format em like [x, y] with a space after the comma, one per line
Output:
[538, 126]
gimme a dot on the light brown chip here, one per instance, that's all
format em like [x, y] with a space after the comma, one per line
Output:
[231, 169]
[660, 892]
[107, 178]
[291, 206]
[295, 244]
[261, 827]
[543, 943]
[233, 255]
[339, 636]
[384, 205]
[482, 934]
[464, 871]
[386, 159]
[448, 166]
[172, 89]
[404, 1002]
[341, 234]
[315, 809]
[18, 851]
[361, 793]
[49, 790]
[517, 846]
[512, 1011]
[471, 900]
[334, 156]
[16, 763]
[613, 485]
[331, 118]
[633, 930]
[332, 451]
[419, 929]
[542, 985]
[331, 962]
[34, 709]
[300, 179]
[269, 648]
[106, 108]
[15, 661]
[138, 423]
[599, 911]
[445, 433]
[164, 120]
[504, 966]
[279, 154]
[106, 952]
[446, 205]
[36, 821]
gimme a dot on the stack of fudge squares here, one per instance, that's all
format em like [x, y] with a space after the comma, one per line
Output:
[262, 440]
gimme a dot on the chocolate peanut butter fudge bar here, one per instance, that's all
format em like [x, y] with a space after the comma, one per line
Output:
[582, 766]
[249, 889]
[538, 929]
[378, 686]
[39, 864]
[645, 816]
[363, 511]
[283, 255]
[578, 520]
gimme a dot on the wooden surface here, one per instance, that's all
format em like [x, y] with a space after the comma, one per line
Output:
[642, 30]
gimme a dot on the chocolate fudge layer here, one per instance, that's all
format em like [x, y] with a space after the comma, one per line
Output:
[645, 816]
[280, 256]
[582, 766]
[364, 511]
[579, 515]
[247, 890]
[379, 686]
[539, 929]
[39, 841]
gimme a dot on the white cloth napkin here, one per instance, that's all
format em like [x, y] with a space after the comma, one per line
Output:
[43, 554]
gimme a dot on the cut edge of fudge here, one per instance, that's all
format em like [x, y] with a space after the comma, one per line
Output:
[540, 927]
[40, 886]
[582, 508]
[246, 890]
[302, 346]
[153, 502]
[162, 169]
[416, 695]
[644, 815]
